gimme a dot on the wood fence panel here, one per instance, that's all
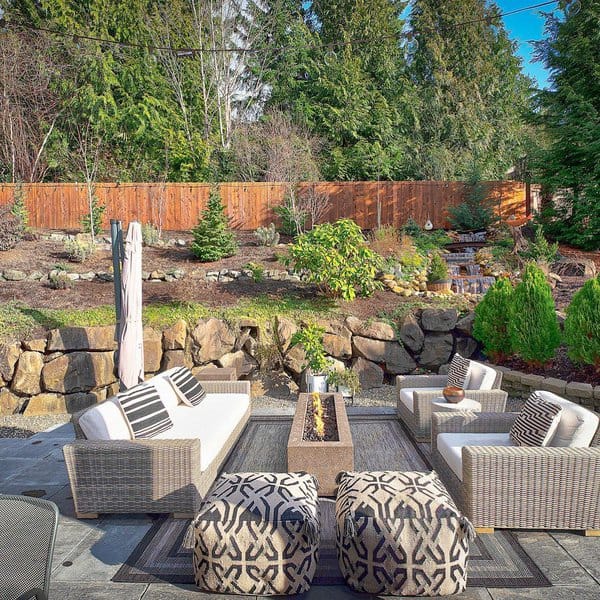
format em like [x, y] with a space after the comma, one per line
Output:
[177, 206]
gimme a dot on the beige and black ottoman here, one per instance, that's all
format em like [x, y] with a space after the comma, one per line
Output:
[258, 533]
[401, 534]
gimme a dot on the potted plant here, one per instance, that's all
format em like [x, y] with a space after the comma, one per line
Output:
[310, 337]
[345, 382]
[437, 274]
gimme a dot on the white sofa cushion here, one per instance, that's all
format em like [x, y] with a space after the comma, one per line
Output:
[450, 446]
[407, 398]
[213, 421]
[577, 425]
[167, 394]
[105, 421]
[481, 377]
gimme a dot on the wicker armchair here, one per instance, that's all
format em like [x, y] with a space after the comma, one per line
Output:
[517, 486]
[145, 475]
[429, 387]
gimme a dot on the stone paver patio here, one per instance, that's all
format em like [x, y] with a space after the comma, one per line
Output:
[89, 553]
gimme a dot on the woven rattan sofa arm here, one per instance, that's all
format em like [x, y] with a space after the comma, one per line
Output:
[518, 486]
[144, 475]
[226, 387]
[420, 381]
[490, 400]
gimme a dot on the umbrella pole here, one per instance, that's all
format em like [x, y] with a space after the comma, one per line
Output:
[116, 239]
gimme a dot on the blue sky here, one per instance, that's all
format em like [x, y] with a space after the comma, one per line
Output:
[524, 27]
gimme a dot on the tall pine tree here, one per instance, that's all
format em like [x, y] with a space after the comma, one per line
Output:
[472, 93]
[569, 111]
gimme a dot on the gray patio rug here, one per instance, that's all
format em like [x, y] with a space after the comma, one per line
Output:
[165, 552]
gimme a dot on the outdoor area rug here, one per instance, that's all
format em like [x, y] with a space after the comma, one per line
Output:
[165, 552]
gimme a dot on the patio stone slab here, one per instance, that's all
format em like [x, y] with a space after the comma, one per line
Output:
[70, 535]
[551, 558]
[96, 591]
[552, 593]
[468, 594]
[102, 552]
[17, 489]
[159, 591]
[9, 467]
[19, 448]
[41, 472]
[62, 431]
[585, 550]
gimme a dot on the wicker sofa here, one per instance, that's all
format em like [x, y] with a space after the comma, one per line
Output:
[415, 394]
[169, 473]
[500, 485]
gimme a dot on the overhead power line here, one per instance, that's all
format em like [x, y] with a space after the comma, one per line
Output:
[190, 51]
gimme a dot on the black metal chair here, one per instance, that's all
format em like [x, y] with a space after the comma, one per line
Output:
[27, 534]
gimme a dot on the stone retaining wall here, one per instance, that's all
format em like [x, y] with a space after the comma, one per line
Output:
[72, 368]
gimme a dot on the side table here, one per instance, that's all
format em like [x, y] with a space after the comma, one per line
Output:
[441, 405]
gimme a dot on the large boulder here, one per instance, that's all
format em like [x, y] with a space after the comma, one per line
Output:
[369, 374]
[9, 403]
[411, 334]
[437, 349]
[175, 358]
[466, 346]
[377, 330]
[439, 319]
[78, 372]
[174, 337]
[337, 345]
[575, 267]
[27, 376]
[152, 350]
[295, 360]
[396, 359]
[285, 329]
[82, 338]
[240, 361]
[9, 355]
[37, 345]
[44, 404]
[465, 325]
[212, 339]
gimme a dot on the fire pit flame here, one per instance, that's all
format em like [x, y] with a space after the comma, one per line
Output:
[319, 423]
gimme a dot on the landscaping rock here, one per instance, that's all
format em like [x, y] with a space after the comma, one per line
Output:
[396, 359]
[14, 275]
[369, 374]
[212, 339]
[437, 349]
[44, 404]
[35, 276]
[240, 361]
[9, 403]
[552, 384]
[579, 390]
[285, 329]
[152, 350]
[466, 346]
[572, 267]
[376, 330]
[337, 345]
[26, 379]
[295, 360]
[174, 337]
[175, 358]
[37, 345]
[9, 354]
[275, 385]
[411, 334]
[78, 372]
[465, 325]
[438, 319]
[82, 338]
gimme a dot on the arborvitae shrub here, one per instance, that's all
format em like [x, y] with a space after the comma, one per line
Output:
[212, 237]
[533, 330]
[492, 318]
[582, 325]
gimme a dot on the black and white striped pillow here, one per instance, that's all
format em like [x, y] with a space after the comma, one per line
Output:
[458, 371]
[188, 388]
[144, 411]
[536, 422]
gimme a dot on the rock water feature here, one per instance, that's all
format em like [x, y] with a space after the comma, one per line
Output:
[464, 271]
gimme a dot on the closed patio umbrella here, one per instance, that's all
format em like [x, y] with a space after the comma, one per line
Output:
[131, 341]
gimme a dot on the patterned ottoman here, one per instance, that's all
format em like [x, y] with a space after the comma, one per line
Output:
[401, 534]
[258, 533]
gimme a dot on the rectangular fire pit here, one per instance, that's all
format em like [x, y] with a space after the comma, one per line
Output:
[323, 459]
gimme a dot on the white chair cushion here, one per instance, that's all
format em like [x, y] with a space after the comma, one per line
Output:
[577, 425]
[167, 393]
[481, 377]
[212, 422]
[105, 422]
[450, 446]
[406, 395]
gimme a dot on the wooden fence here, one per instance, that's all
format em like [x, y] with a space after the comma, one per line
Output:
[176, 206]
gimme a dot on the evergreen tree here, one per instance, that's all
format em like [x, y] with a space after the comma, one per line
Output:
[472, 95]
[533, 328]
[212, 238]
[569, 112]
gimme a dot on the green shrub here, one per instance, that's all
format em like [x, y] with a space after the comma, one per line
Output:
[19, 210]
[346, 378]
[411, 227]
[438, 269]
[95, 218]
[11, 229]
[258, 271]
[60, 280]
[337, 257]
[79, 250]
[212, 238]
[533, 330]
[293, 220]
[310, 337]
[582, 325]
[540, 250]
[492, 317]
[150, 234]
[476, 212]
[267, 236]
